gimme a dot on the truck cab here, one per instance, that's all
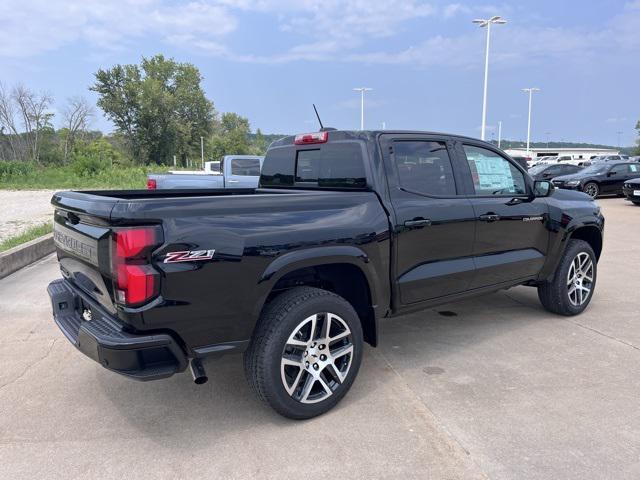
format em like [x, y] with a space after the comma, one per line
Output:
[233, 171]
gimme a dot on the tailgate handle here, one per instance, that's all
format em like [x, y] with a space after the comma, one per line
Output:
[73, 219]
[417, 222]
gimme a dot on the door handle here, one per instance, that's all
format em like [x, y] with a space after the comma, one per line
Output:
[233, 181]
[489, 217]
[417, 222]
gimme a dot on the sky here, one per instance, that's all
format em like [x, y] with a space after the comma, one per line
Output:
[270, 60]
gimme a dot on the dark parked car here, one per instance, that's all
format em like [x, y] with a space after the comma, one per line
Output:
[549, 171]
[631, 190]
[600, 179]
[346, 228]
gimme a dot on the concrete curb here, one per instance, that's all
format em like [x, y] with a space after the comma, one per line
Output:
[25, 254]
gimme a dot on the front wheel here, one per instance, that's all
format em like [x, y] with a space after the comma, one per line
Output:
[305, 353]
[571, 288]
[591, 189]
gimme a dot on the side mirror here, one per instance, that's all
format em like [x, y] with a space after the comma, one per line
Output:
[542, 188]
[611, 174]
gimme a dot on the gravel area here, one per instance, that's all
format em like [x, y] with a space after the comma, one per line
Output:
[22, 209]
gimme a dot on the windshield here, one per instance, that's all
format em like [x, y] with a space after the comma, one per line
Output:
[595, 169]
[537, 169]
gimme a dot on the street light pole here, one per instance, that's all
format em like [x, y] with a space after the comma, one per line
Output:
[202, 151]
[362, 90]
[499, 133]
[530, 91]
[487, 23]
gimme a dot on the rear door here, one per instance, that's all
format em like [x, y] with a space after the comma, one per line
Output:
[614, 178]
[243, 173]
[434, 222]
[511, 235]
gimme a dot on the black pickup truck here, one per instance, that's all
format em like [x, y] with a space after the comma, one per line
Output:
[345, 229]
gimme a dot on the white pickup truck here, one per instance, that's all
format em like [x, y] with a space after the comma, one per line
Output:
[235, 171]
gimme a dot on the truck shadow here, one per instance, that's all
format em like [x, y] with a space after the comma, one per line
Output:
[178, 413]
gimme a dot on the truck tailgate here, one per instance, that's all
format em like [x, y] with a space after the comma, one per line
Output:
[82, 237]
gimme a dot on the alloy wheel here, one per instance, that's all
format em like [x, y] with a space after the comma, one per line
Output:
[591, 189]
[316, 357]
[580, 279]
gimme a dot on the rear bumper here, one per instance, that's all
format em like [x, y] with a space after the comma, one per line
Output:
[103, 339]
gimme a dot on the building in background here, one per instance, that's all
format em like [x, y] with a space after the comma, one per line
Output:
[574, 152]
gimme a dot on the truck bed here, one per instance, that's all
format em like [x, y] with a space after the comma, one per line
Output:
[254, 234]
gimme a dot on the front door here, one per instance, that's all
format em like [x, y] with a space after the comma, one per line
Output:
[511, 232]
[434, 222]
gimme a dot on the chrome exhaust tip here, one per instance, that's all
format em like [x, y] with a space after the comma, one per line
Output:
[197, 371]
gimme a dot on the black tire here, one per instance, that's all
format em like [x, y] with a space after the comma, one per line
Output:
[554, 295]
[635, 203]
[279, 319]
[592, 189]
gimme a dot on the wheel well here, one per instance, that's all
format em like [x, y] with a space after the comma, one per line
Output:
[592, 236]
[343, 279]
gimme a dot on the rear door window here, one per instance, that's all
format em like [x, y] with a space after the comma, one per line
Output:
[424, 167]
[245, 167]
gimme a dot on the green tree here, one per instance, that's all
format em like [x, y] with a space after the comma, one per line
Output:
[259, 145]
[638, 141]
[159, 107]
[231, 136]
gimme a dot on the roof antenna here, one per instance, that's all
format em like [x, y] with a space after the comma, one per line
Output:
[318, 116]
[322, 127]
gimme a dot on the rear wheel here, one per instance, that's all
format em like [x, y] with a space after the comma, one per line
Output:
[591, 189]
[306, 352]
[571, 288]
[635, 202]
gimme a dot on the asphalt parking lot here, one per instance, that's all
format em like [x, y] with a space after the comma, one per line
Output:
[500, 390]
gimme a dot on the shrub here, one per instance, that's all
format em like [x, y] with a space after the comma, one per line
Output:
[87, 166]
[89, 159]
[10, 168]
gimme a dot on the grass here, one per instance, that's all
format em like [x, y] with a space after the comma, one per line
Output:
[30, 234]
[65, 178]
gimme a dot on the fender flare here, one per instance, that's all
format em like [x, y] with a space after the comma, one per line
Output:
[563, 240]
[315, 257]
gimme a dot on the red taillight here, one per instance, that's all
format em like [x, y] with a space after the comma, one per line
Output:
[311, 138]
[151, 184]
[136, 281]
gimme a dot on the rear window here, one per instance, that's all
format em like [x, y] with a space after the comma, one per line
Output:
[332, 165]
[246, 167]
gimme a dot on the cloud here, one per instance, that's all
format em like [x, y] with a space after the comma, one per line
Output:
[31, 27]
[616, 120]
[320, 30]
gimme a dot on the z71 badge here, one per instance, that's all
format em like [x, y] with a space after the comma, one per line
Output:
[189, 256]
